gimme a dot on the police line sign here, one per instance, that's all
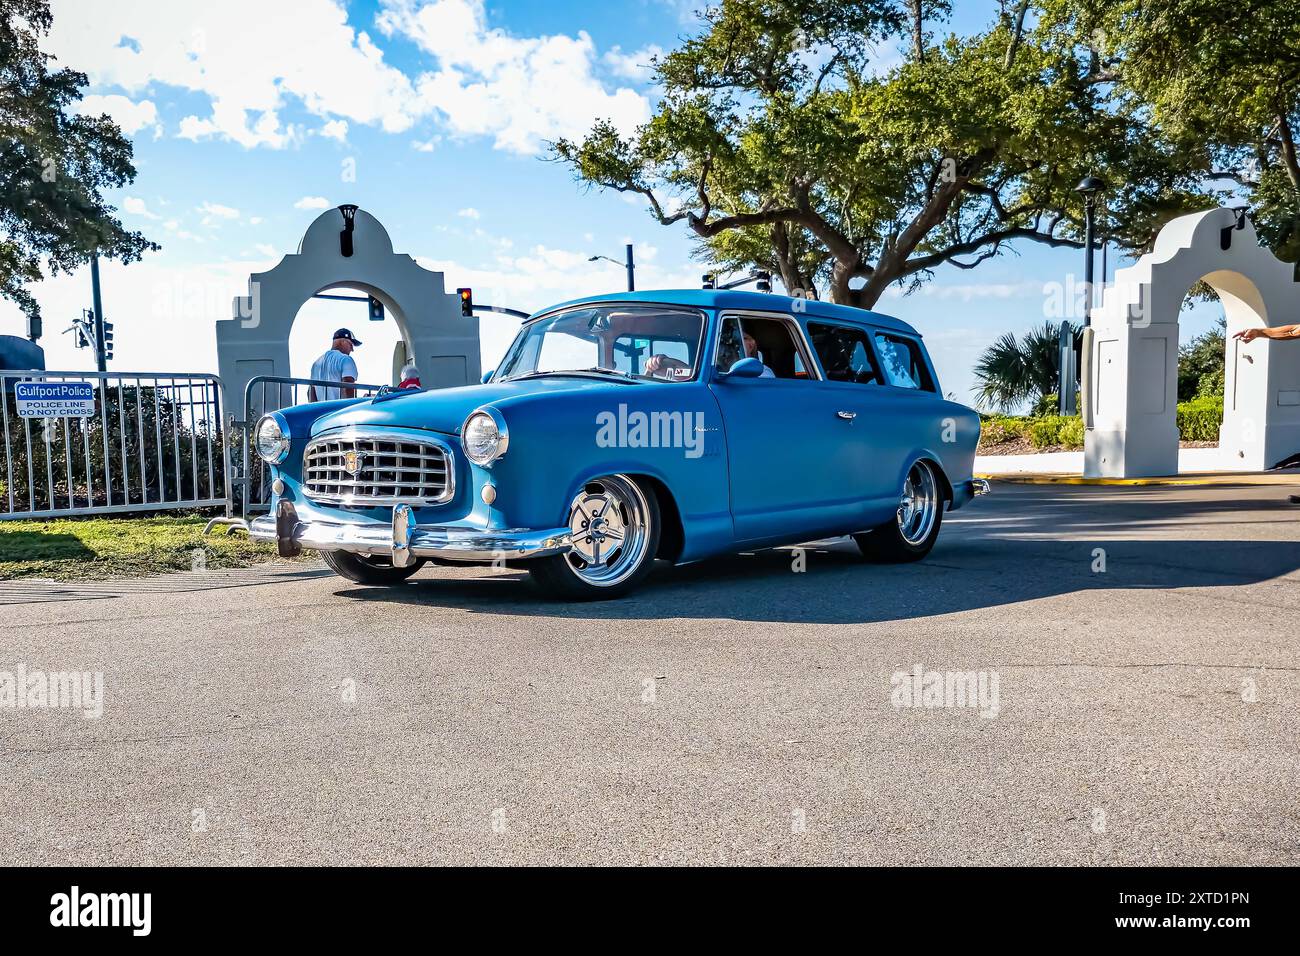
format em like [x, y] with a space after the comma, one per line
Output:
[54, 399]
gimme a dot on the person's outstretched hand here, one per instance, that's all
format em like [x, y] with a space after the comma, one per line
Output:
[1248, 335]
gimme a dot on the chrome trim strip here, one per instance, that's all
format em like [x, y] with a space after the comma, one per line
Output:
[363, 432]
[425, 541]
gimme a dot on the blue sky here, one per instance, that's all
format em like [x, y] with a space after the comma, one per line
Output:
[250, 117]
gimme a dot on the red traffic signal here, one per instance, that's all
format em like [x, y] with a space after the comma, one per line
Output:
[466, 301]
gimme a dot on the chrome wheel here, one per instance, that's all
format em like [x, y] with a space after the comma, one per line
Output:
[609, 522]
[919, 504]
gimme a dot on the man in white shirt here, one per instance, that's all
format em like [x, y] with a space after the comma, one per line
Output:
[336, 365]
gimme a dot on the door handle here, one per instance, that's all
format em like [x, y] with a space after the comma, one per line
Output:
[847, 416]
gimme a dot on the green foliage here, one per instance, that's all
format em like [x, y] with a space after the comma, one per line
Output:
[1200, 364]
[1001, 429]
[1045, 432]
[1071, 432]
[783, 148]
[1220, 79]
[54, 164]
[1013, 371]
[1200, 418]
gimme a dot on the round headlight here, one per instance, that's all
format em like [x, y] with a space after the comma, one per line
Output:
[271, 439]
[484, 437]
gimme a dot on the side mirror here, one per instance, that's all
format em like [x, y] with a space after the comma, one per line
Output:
[487, 376]
[747, 368]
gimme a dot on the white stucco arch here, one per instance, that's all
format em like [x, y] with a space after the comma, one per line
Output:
[1132, 393]
[255, 340]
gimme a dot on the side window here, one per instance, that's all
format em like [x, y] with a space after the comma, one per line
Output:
[902, 362]
[771, 341]
[845, 353]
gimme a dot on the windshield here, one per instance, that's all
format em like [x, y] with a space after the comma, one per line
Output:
[651, 342]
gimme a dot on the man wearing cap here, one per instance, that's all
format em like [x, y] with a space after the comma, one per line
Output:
[336, 365]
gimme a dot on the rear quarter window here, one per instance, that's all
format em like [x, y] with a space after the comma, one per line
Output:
[902, 361]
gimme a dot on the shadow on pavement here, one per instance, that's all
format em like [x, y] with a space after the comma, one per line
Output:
[964, 572]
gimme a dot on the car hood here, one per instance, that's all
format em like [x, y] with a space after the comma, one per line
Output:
[445, 409]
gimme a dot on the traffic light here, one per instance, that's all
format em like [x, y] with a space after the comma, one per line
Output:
[709, 280]
[376, 309]
[466, 301]
[108, 341]
[764, 283]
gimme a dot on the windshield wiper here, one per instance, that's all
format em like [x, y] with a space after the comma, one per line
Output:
[628, 376]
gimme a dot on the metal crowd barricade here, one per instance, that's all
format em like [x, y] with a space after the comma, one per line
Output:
[263, 394]
[154, 442]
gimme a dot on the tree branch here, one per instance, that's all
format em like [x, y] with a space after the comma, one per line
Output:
[930, 261]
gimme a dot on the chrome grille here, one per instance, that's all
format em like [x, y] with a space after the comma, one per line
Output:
[390, 468]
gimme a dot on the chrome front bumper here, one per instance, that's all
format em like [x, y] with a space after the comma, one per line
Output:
[404, 541]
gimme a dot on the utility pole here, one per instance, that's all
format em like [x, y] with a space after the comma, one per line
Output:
[101, 358]
[631, 270]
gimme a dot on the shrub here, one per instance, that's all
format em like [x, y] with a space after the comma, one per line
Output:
[1046, 405]
[1211, 385]
[1045, 431]
[1000, 429]
[1199, 419]
[1071, 433]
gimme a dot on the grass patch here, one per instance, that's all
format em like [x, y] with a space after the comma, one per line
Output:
[88, 548]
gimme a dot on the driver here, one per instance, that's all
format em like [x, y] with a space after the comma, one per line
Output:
[658, 363]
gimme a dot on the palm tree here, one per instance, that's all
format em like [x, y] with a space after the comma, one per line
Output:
[1012, 371]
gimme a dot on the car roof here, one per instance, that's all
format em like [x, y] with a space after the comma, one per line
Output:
[747, 301]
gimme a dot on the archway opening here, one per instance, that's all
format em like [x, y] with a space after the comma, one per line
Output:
[1202, 334]
[318, 319]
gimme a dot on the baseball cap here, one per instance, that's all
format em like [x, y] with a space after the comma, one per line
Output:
[347, 334]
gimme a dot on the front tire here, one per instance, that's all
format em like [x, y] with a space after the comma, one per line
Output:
[364, 569]
[615, 525]
[912, 532]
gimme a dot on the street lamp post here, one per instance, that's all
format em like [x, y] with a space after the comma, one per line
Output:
[628, 264]
[1089, 186]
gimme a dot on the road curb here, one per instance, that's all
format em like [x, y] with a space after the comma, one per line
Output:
[1196, 480]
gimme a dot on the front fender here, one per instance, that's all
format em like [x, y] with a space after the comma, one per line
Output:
[558, 443]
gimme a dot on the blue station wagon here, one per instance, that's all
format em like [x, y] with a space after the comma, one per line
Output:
[628, 428]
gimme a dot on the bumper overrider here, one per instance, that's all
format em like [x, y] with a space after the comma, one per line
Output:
[403, 541]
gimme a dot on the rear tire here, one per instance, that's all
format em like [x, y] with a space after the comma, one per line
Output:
[912, 532]
[368, 570]
[615, 524]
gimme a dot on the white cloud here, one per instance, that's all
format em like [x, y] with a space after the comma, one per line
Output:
[523, 91]
[312, 202]
[424, 147]
[468, 213]
[129, 115]
[138, 207]
[249, 57]
[335, 129]
[254, 60]
[635, 65]
[214, 212]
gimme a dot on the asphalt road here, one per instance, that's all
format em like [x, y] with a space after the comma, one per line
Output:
[734, 711]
